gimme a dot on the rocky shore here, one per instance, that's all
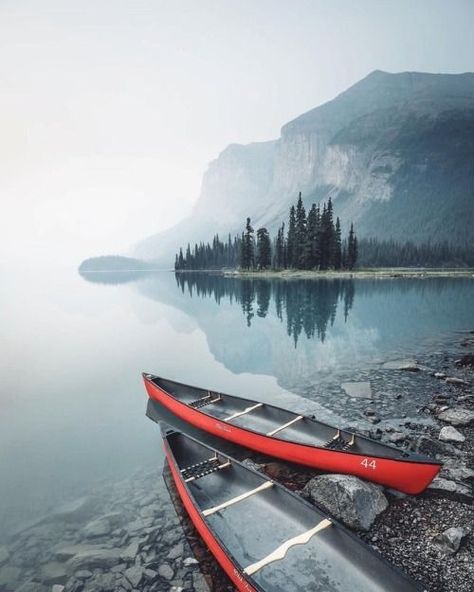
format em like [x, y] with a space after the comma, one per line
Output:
[134, 535]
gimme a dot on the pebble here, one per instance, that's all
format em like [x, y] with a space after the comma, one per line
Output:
[451, 434]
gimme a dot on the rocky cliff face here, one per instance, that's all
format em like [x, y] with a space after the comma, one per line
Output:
[394, 151]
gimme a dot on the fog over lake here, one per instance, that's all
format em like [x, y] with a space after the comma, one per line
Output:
[73, 404]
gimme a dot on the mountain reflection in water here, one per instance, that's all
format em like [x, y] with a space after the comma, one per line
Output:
[305, 306]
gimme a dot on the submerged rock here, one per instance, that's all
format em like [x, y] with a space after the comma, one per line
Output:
[92, 557]
[9, 577]
[53, 573]
[32, 587]
[134, 575]
[457, 416]
[408, 364]
[355, 502]
[359, 390]
[450, 434]
[449, 541]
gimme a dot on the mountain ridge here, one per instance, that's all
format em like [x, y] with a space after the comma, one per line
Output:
[394, 151]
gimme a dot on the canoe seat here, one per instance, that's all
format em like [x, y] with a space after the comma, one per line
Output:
[203, 401]
[338, 443]
[206, 467]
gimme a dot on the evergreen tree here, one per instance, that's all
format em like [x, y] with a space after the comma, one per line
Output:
[351, 249]
[264, 249]
[300, 234]
[280, 248]
[291, 253]
[337, 246]
[248, 247]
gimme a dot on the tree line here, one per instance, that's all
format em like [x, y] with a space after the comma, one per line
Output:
[311, 241]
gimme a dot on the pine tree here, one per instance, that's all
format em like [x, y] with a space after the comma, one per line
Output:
[300, 242]
[291, 240]
[337, 246]
[248, 247]
[264, 249]
[351, 249]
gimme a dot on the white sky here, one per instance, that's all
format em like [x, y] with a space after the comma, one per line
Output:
[111, 110]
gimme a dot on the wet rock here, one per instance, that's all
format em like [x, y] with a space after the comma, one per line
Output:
[83, 574]
[130, 552]
[190, 561]
[456, 471]
[359, 390]
[457, 416]
[450, 489]
[105, 582]
[456, 381]
[9, 577]
[449, 541]
[102, 526]
[450, 434]
[176, 551]
[92, 557]
[134, 575]
[54, 573]
[407, 364]
[4, 554]
[355, 502]
[397, 437]
[165, 571]
[57, 588]
[199, 582]
[467, 360]
[439, 375]
[79, 510]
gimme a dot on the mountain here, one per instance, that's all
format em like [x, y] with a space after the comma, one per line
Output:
[394, 151]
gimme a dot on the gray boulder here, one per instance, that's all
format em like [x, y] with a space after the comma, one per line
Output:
[407, 364]
[451, 434]
[457, 416]
[134, 575]
[441, 487]
[165, 571]
[449, 541]
[355, 502]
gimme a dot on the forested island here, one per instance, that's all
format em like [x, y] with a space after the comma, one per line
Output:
[313, 241]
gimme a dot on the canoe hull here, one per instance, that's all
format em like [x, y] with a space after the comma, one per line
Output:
[406, 476]
[230, 568]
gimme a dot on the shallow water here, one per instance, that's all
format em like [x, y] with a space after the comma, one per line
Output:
[72, 400]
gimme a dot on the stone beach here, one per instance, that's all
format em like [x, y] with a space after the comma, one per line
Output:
[135, 535]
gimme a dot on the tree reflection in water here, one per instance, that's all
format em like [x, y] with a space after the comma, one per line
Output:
[307, 306]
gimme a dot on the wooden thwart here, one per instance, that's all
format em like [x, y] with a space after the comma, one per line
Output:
[237, 498]
[245, 411]
[285, 425]
[283, 549]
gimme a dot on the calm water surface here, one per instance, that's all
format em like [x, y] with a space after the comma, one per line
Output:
[72, 401]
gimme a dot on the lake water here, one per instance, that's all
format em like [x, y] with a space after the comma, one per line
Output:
[73, 349]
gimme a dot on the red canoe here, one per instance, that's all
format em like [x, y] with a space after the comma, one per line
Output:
[296, 438]
[266, 538]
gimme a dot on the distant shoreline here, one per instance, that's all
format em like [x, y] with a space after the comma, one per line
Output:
[374, 273]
